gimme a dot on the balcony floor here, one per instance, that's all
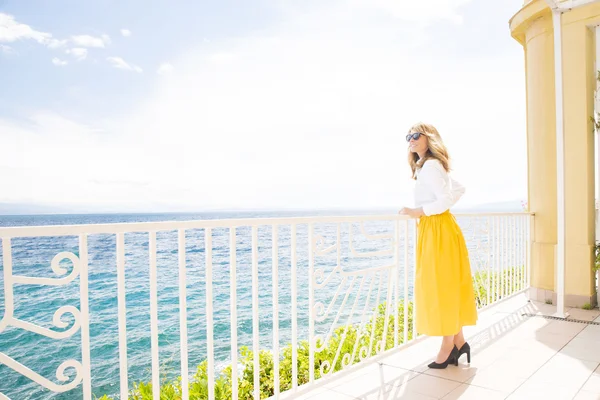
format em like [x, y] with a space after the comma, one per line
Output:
[514, 356]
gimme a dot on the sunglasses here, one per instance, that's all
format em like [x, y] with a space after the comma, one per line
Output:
[414, 136]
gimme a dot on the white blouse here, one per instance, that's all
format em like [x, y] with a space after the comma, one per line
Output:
[435, 190]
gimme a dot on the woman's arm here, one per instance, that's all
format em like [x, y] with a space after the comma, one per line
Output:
[458, 190]
[446, 190]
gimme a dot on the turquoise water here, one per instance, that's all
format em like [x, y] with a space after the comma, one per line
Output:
[37, 304]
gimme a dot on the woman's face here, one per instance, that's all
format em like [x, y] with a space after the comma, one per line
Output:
[419, 145]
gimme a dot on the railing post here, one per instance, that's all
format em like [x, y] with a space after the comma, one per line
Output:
[275, 278]
[396, 280]
[416, 238]
[505, 251]
[489, 251]
[497, 276]
[233, 306]
[512, 254]
[154, 318]
[183, 333]
[523, 251]
[255, 315]
[210, 351]
[311, 304]
[294, 262]
[85, 318]
[406, 269]
[122, 310]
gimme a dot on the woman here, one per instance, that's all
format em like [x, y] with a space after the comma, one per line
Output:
[445, 300]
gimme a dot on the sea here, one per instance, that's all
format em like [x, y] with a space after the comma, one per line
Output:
[345, 299]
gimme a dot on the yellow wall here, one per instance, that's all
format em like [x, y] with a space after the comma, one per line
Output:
[532, 27]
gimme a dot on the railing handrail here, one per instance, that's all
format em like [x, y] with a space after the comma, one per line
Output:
[170, 225]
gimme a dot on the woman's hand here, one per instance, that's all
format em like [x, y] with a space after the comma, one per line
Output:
[412, 212]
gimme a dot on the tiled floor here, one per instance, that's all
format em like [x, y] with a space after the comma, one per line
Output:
[514, 357]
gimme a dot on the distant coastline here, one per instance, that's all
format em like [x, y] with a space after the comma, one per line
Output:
[16, 209]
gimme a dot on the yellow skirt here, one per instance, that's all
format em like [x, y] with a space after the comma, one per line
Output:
[445, 299]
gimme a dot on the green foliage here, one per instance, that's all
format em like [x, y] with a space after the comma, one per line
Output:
[597, 258]
[348, 340]
[596, 121]
[596, 118]
[587, 306]
[507, 281]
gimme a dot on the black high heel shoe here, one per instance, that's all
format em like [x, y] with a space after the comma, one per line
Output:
[464, 349]
[452, 359]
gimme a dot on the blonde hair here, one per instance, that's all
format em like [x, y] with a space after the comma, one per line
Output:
[435, 149]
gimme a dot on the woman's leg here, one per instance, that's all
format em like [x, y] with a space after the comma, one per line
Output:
[459, 339]
[446, 349]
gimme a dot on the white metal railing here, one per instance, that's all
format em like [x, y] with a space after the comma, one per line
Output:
[319, 294]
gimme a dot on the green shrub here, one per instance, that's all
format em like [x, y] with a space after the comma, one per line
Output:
[348, 339]
[597, 258]
[507, 281]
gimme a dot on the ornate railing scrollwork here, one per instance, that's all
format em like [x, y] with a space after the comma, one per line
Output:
[58, 270]
[37, 378]
[58, 320]
[360, 321]
[385, 252]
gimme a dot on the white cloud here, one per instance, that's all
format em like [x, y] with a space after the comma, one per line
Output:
[56, 43]
[412, 11]
[78, 53]
[90, 41]
[164, 69]
[11, 31]
[311, 113]
[6, 49]
[125, 32]
[426, 12]
[119, 63]
[58, 62]
[317, 117]
[51, 148]
[222, 57]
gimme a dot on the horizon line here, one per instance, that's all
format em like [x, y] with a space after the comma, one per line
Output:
[23, 213]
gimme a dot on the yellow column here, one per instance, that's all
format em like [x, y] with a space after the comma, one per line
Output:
[532, 27]
[579, 86]
[541, 144]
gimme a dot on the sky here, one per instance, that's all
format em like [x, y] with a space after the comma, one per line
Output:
[260, 104]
